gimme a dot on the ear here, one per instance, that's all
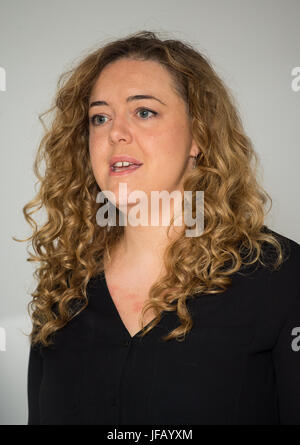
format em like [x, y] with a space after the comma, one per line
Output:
[194, 151]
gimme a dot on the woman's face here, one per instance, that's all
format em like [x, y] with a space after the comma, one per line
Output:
[155, 132]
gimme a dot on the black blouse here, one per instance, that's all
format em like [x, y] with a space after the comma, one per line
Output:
[240, 363]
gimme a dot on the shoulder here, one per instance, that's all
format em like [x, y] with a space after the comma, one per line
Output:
[290, 251]
[282, 285]
[278, 286]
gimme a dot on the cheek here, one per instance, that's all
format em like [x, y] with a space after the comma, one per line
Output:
[92, 144]
[97, 162]
[170, 143]
[96, 154]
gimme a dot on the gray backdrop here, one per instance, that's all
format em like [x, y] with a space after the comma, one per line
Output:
[253, 44]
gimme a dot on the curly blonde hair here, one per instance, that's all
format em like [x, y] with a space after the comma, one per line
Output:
[70, 246]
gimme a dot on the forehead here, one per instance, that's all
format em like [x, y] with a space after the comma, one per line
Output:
[123, 77]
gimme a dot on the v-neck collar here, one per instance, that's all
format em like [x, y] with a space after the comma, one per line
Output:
[115, 310]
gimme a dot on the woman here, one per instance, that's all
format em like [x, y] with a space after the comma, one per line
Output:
[141, 324]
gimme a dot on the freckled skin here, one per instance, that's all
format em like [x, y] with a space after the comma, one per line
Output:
[137, 306]
[129, 307]
[113, 288]
[125, 299]
[130, 301]
[131, 296]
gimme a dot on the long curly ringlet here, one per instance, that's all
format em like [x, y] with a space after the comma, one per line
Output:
[70, 245]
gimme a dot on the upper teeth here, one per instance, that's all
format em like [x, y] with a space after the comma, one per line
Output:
[122, 164]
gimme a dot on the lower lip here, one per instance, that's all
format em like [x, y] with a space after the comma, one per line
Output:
[124, 171]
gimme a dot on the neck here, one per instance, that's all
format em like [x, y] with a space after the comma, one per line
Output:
[146, 245]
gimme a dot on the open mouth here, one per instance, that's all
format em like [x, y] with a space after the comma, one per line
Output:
[124, 169]
[128, 167]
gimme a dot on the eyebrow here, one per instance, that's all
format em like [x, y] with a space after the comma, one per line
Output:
[129, 99]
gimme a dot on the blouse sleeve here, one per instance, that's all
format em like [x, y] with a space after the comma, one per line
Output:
[286, 358]
[34, 378]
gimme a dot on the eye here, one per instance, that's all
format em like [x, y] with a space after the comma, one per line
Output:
[147, 111]
[94, 118]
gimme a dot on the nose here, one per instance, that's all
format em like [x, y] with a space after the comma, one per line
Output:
[119, 131]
